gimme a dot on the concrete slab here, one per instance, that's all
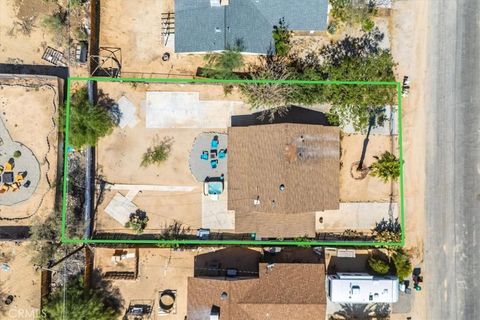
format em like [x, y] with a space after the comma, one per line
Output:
[120, 208]
[201, 168]
[186, 110]
[355, 215]
[215, 214]
[128, 111]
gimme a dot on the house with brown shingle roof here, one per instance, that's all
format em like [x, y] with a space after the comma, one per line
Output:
[280, 175]
[281, 291]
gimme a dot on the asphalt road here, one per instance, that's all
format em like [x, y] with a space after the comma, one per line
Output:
[453, 160]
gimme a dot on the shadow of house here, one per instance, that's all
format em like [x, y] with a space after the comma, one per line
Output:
[293, 255]
[343, 264]
[215, 264]
[295, 114]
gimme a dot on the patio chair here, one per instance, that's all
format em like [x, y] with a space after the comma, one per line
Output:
[19, 177]
[204, 155]
[15, 187]
[214, 143]
[4, 188]
[8, 166]
[214, 164]
[27, 184]
[222, 153]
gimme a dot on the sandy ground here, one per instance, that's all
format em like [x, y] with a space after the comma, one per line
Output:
[28, 114]
[159, 269]
[162, 208]
[22, 281]
[369, 189]
[17, 45]
[119, 156]
[408, 47]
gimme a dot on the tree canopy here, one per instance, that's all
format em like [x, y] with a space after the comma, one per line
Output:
[386, 168]
[88, 122]
[79, 304]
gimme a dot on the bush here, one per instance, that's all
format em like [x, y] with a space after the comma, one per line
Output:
[17, 154]
[80, 303]
[378, 265]
[56, 22]
[332, 28]
[403, 267]
[138, 221]
[388, 231]
[223, 65]
[158, 153]
[368, 25]
[88, 123]
[281, 37]
[353, 12]
[386, 168]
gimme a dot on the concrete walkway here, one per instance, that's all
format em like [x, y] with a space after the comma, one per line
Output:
[355, 215]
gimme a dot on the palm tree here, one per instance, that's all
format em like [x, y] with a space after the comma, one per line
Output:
[386, 168]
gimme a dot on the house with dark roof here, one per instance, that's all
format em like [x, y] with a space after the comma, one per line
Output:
[215, 25]
[277, 291]
[280, 175]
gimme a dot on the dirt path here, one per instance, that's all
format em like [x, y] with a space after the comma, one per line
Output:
[408, 46]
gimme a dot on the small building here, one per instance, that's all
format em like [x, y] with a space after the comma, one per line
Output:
[362, 288]
[277, 291]
[280, 175]
[215, 25]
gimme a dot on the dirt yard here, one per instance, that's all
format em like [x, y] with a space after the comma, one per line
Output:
[21, 281]
[159, 269]
[22, 38]
[119, 159]
[28, 107]
[368, 189]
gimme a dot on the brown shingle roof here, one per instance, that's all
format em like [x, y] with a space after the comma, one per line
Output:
[303, 158]
[286, 291]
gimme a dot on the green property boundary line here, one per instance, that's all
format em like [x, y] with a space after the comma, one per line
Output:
[232, 242]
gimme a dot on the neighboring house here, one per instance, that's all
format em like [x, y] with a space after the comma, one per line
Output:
[281, 291]
[215, 25]
[280, 174]
[362, 288]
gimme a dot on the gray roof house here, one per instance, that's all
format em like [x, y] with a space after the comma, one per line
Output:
[214, 25]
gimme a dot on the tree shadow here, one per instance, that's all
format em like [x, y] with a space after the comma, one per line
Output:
[111, 105]
[362, 311]
[111, 294]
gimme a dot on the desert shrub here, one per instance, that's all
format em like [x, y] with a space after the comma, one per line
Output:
[17, 154]
[223, 65]
[378, 265]
[368, 25]
[138, 221]
[80, 34]
[281, 38]
[80, 303]
[403, 266]
[56, 22]
[386, 168]
[158, 153]
[351, 12]
[388, 231]
[88, 122]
